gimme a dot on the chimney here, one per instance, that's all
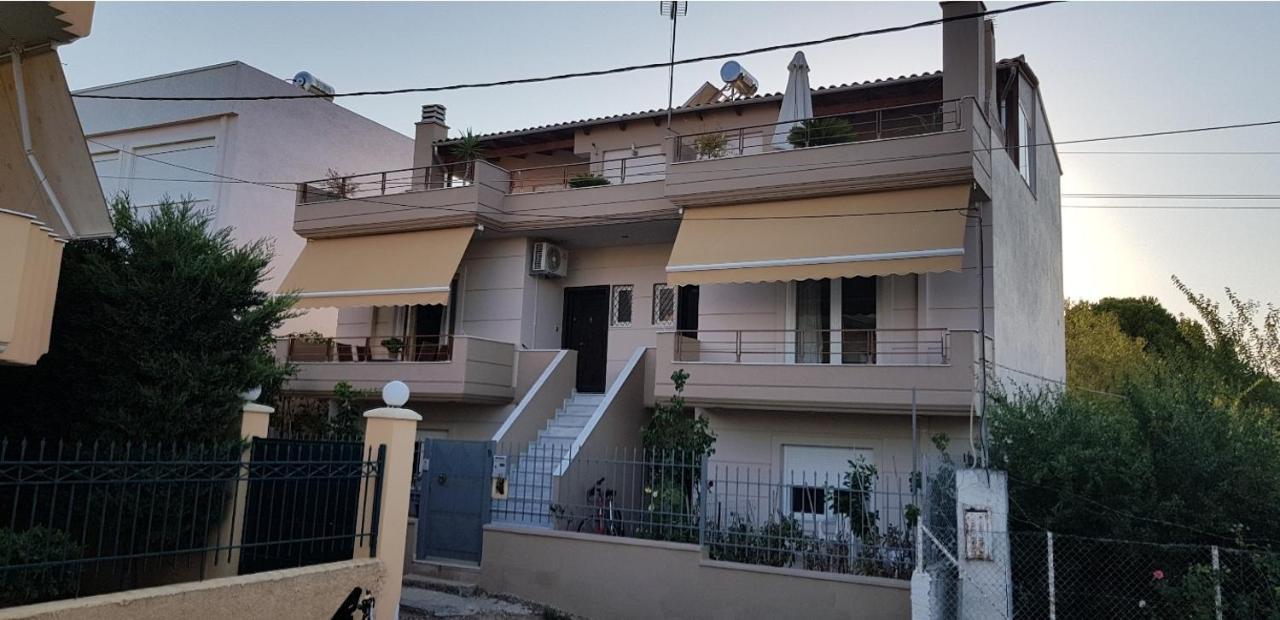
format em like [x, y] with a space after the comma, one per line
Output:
[430, 130]
[968, 55]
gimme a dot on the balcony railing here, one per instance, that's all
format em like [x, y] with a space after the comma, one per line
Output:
[589, 174]
[862, 126]
[814, 346]
[386, 183]
[369, 349]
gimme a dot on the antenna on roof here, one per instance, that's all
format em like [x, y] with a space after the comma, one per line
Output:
[675, 10]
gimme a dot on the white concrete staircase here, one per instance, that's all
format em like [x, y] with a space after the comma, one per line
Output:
[529, 474]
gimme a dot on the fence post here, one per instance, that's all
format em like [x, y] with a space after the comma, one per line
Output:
[225, 559]
[982, 522]
[395, 428]
[1053, 595]
[1217, 584]
[702, 501]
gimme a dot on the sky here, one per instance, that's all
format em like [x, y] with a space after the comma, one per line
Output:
[1105, 69]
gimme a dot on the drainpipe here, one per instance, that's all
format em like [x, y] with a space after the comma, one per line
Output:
[25, 125]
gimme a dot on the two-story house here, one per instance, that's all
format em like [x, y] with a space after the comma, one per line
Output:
[204, 151]
[819, 279]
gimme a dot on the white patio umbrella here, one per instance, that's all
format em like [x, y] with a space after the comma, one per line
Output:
[797, 101]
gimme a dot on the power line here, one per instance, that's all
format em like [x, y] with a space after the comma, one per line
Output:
[1174, 207]
[1182, 196]
[1169, 152]
[627, 218]
[595, 73]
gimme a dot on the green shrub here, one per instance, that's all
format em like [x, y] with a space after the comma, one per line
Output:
[821, 132]
[710, 145]
[587, 179]
[36, 546]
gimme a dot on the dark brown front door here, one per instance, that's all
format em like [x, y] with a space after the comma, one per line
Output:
[586, 330]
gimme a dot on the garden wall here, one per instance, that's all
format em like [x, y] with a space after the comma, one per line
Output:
[614, 577]
[302, 593]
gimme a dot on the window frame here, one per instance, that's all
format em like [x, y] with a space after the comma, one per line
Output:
[615, 305]
[659, 288]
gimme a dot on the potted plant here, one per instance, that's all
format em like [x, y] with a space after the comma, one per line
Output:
[467, 150]
[393, 345]
[821, 132]
[587, 179]
[710, 145]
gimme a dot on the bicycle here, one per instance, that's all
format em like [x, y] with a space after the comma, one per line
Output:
[604, 519]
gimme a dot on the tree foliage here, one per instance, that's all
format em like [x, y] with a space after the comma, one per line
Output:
[155, 333]
[1184, 446]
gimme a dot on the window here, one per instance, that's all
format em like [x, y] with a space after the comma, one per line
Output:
[620, 305]
[687, 310]
[813, 321]
[858, 320]
[664, 305]
[816, 478]
[151, 181]
[1026, 149]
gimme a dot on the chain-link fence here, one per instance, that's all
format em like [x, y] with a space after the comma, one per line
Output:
[1063, 576]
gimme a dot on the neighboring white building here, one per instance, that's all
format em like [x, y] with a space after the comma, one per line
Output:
[195, 149]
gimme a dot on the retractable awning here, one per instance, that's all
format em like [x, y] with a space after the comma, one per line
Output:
[881, 233]
[398, 269]
[30, 258]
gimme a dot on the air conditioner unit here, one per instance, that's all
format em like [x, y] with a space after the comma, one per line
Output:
[549, 261]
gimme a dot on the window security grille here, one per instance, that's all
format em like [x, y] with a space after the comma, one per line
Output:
[664, 305]
[620, 305]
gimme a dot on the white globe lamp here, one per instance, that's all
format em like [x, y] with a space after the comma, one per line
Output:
[251, 395]
[395, 394]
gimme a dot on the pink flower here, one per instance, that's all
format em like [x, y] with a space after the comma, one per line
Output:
[1158, 574]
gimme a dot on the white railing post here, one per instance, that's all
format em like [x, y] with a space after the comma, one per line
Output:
[1217, 584]
[1053, 595]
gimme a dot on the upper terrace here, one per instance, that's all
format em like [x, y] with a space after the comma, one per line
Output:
[890, 134]
[890, 147]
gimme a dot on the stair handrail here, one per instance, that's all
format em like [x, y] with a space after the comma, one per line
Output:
[605, 403]
[557, 365]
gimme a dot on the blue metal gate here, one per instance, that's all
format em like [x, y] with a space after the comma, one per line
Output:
[454, 488]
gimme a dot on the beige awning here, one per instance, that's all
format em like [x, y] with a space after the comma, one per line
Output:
[882, 233]
[398, 269]
[30, 261]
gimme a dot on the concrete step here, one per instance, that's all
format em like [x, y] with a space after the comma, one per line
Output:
[530, 512]
[450, 570]
[440, 584]
[536, 492]
[577, 422]
[559, 432]
[592, 399]
[577, 409]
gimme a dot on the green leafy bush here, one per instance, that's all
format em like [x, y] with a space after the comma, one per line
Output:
[710, 145]
[821, 132]
[587, 179]
[35, 546]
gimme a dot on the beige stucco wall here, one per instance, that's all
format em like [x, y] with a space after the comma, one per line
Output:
[460, 421]
[755, 438]
[639, 265]
[613, 577]
[303, 593]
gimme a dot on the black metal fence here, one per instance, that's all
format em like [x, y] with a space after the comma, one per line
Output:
[89, 518]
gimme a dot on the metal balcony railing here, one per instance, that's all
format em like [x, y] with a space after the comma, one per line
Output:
[617, 171]
[369, 349]
[386, 183]
[815, 346]
[862, 126]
